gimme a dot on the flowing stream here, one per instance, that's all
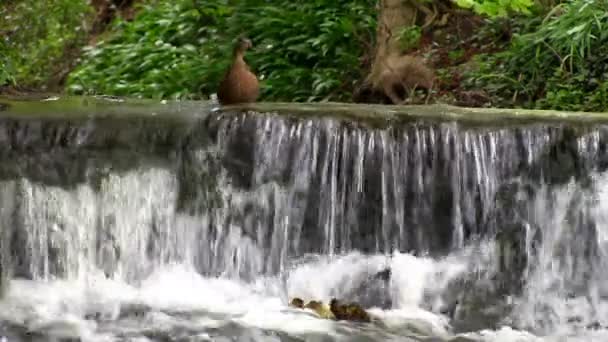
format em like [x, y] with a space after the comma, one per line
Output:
[141, 221]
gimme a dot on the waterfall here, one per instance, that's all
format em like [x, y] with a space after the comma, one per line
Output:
[515, 213]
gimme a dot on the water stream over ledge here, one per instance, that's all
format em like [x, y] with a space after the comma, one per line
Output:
[143, 221]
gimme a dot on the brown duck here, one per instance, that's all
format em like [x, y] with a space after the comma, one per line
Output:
[239, 85]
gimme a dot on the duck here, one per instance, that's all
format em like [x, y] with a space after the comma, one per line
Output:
[240, 84]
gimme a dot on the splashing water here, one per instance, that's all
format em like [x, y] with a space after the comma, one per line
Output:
[446, 233]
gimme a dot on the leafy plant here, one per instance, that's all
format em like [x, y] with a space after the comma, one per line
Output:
[303, 50]
[153, 56]
[496, 7]
[37, 35]
[6, 72]
[561, 63]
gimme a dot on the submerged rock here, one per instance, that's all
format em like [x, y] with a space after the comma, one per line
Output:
[595, 326]
[474, 302]
[373, 291]
[137, 310]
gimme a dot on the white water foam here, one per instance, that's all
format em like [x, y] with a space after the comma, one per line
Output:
[564, 295]
[58, 308]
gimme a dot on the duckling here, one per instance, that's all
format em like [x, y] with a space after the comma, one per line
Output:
[349, 312]
[297, 303]
[320, 309]
[239, 85]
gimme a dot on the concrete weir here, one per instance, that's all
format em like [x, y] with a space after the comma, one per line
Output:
[126, 187]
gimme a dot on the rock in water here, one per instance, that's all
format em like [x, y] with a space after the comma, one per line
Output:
[374, 291]
[133, 310]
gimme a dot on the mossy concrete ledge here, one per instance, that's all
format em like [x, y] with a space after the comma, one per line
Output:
[88, 107]
[434, 112]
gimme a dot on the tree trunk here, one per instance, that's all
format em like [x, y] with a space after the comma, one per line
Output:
[393, 17]
[106, 10]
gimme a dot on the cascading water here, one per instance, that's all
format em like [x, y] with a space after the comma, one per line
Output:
[138, 222]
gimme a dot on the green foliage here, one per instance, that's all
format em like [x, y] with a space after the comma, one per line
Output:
[310, 50]
[36, 36]
[6, 72]
[303, 50]
[561, 63]
[153, 56]
[496, 7]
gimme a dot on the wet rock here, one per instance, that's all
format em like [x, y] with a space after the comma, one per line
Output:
[595, 326]
[238, 159]
[3, 282]
[374, 291]
[475, 301]
[93, 316]
[561, 160]
[513, 229]
[137, 310]
[232, 331]
[198, 186]
[4, 268]
[384, 275]
[512, 256]
[57, 245]
[7, 224]
[107, 245]
[12, 332]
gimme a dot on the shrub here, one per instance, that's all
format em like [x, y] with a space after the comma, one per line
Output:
[6, 71]
[496, 7]
[560, 63]
[36, 36]
[303, 50]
